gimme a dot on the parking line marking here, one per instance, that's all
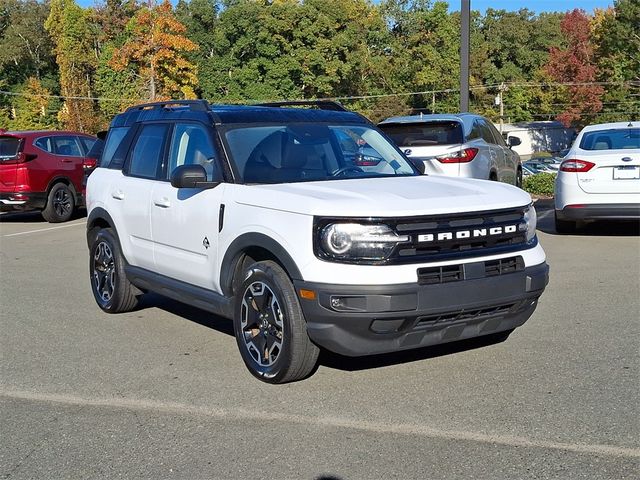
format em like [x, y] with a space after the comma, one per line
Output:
[329, 421]
[43, 229]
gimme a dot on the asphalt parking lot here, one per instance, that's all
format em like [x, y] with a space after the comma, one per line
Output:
[162, 392]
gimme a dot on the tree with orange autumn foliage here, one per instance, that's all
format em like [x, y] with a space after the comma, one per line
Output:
[156, 46]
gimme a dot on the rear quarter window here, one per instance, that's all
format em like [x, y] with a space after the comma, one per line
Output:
[424, 134]
[44, 143]
[113, 141]
[9, 147]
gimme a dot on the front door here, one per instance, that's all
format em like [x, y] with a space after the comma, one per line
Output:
[185, 221]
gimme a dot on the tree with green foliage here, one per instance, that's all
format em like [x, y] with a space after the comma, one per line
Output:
[33, 108]
[68, 25]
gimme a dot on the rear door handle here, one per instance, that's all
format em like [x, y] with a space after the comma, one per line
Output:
[118, 195]
[162, 202]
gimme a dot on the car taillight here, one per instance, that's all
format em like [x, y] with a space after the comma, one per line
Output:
[575, 165]
[89, 164]
[461, 156]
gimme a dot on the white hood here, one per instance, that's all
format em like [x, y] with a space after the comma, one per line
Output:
[383, 197]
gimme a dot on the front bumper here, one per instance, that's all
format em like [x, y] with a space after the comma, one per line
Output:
[605, 211]
[365, 320]
[11, 201]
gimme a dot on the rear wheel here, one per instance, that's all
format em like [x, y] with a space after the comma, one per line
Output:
[111, 288]
[270, 328]
[564, 226]
[60, 204]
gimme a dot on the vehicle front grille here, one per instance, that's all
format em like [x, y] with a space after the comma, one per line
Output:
[460, 235]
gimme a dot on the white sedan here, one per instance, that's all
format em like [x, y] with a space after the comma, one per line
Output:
[600, 176]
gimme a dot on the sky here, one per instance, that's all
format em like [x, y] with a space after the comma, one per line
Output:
[511, 5]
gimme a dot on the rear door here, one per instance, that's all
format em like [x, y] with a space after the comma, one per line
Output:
[10, 146]
[69, 156]
[616, 155]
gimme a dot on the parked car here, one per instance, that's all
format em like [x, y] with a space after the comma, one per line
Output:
[460, 145]
[540, 166]
[600, 176]
[44, 170]
[259, 214]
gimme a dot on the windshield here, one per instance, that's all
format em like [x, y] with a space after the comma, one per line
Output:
[424, 134]
[614, 139]
[312, 152]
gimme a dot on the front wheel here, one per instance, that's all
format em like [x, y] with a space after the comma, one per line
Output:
[270, 328]
[519, 178]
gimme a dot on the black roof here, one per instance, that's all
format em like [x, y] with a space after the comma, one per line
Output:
[233, 114]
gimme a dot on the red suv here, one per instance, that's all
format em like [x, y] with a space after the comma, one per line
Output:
[44, 171]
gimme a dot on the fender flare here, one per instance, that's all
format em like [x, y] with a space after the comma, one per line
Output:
[253, 239]
[97, 214]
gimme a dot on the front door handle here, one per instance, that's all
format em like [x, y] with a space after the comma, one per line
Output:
[67, 160]
[118, 195]
[162, 202]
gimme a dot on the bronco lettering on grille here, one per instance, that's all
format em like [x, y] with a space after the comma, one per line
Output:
[464, 234]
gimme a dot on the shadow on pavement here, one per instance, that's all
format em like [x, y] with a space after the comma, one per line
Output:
[35, 217]
[327, 359]
[352, 364]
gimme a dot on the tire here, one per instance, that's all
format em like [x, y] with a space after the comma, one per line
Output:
[565, 226]
[111, 288]
[519, 178]
[60, 204]
[270, 328]
[493, 176]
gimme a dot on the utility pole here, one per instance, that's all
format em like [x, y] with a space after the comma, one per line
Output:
[465, 15]
[499, 101]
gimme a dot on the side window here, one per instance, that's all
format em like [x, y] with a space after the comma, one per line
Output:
[485, 132]
[475, 132]
[146, 156]
[498, 137]
[67, 146]
[44, 143]
[114, 139]
[191, 145]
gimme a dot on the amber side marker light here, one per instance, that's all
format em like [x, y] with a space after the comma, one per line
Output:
[307, 294]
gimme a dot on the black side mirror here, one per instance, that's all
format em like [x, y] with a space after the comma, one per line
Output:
[191, 176]
[513, 141]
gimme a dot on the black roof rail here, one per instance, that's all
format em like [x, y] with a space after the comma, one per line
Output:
[196, 105]
[321, 104]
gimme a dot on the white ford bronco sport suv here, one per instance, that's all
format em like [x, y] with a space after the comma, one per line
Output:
[309, 229]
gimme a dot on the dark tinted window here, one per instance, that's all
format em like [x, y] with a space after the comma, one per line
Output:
[44, 143]
[190, 145]
[9, 147]
[147, 151]
[475, 131]
[614, 139]
[485, 131]
[114, 138]
[87, 143]
[497, 136]
[424, 134]
[66, 146]
[96, 149]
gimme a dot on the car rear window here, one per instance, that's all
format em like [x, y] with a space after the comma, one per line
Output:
[614, 139]
[424, 134]
[9, 147]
